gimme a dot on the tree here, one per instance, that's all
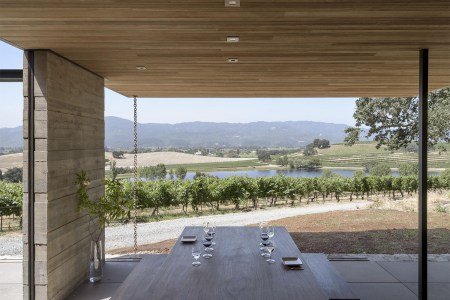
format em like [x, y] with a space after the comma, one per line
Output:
[154, 172]
[305, 163]
[282, 160]
[13, 175]
[309, 150]
[1, 175]
[181, 172]
[369, 164]
[263, 155]
[118, 154]
[408, 169]
[440, 148]
[381, 169]
[232, 154]
[446, 173]
[313, 163]
[393, 122]
[327, 173]
[412, 148]
[321, 143]
[10, 200]
[114, 171]
[160, 171]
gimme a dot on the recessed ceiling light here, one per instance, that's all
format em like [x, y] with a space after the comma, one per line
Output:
[232, 39]
[233, 60]
[232, 3]
[141, 68]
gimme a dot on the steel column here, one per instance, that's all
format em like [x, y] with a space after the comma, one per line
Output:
[423, 173]
[30, 180]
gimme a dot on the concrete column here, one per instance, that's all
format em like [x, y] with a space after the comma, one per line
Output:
[69, 137]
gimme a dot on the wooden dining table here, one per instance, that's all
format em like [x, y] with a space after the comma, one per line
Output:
[236, 271]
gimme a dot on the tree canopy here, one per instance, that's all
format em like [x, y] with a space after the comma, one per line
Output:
[321, 143]
[118, 154]
[13, 175]
[181, 172]
[393, 122]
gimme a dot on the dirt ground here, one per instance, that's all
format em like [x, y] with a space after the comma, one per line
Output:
[170, 158]
[144, 159]
[10, 161]
[362, 231]
[367, 231]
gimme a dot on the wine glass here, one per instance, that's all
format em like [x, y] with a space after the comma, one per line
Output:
[212, 231]
[264, 238]
[206, 227]
[269, 249]
[207, 243]
[196, 252]
[270, 233]
[264, 233]
[265, 242]
[265, 252]
[263, 224]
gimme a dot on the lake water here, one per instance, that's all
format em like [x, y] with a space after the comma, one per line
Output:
[290, 173]
[270, 173]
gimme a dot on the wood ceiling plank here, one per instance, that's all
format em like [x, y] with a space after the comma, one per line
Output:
[289, 48]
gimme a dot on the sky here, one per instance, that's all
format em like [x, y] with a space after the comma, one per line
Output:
[171, 110]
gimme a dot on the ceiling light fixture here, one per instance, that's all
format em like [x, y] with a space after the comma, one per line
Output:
[141, 68]
[232, 3]
[232, 39]
[233, 60]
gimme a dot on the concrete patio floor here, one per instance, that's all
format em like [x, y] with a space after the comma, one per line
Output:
[396, 280]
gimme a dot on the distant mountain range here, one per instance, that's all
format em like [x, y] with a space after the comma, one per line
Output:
[119, 134]
[11, 137]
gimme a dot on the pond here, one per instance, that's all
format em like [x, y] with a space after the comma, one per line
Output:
[290, 173]
[270, 173]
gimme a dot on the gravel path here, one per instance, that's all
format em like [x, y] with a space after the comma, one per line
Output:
[11, 245]
[122, 236]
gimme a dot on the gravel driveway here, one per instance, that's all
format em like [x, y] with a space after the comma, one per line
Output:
[122, 236]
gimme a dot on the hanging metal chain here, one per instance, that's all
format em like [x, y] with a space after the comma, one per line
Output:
[135, 183]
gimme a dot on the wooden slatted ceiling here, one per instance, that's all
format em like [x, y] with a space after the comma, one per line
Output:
[288, 48]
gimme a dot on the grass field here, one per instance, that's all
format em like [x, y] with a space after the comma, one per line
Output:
[337, 156]
[220, 166]
[355, 156]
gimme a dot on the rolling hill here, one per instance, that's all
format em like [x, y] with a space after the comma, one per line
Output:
[119, 134]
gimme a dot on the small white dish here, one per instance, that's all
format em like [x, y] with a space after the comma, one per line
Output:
[188, 238]
[292, 261]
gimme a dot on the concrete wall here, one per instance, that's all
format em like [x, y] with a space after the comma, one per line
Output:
[69, 137]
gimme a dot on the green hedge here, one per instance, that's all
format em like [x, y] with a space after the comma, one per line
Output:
[212, 192]
[10, 198]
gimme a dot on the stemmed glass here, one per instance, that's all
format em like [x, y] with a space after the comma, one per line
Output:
[270, 233]
[207, 243]
[269, 249]
[205, 227]
[264, 231]
[263, 224]
[196, 252]
[211, 231]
